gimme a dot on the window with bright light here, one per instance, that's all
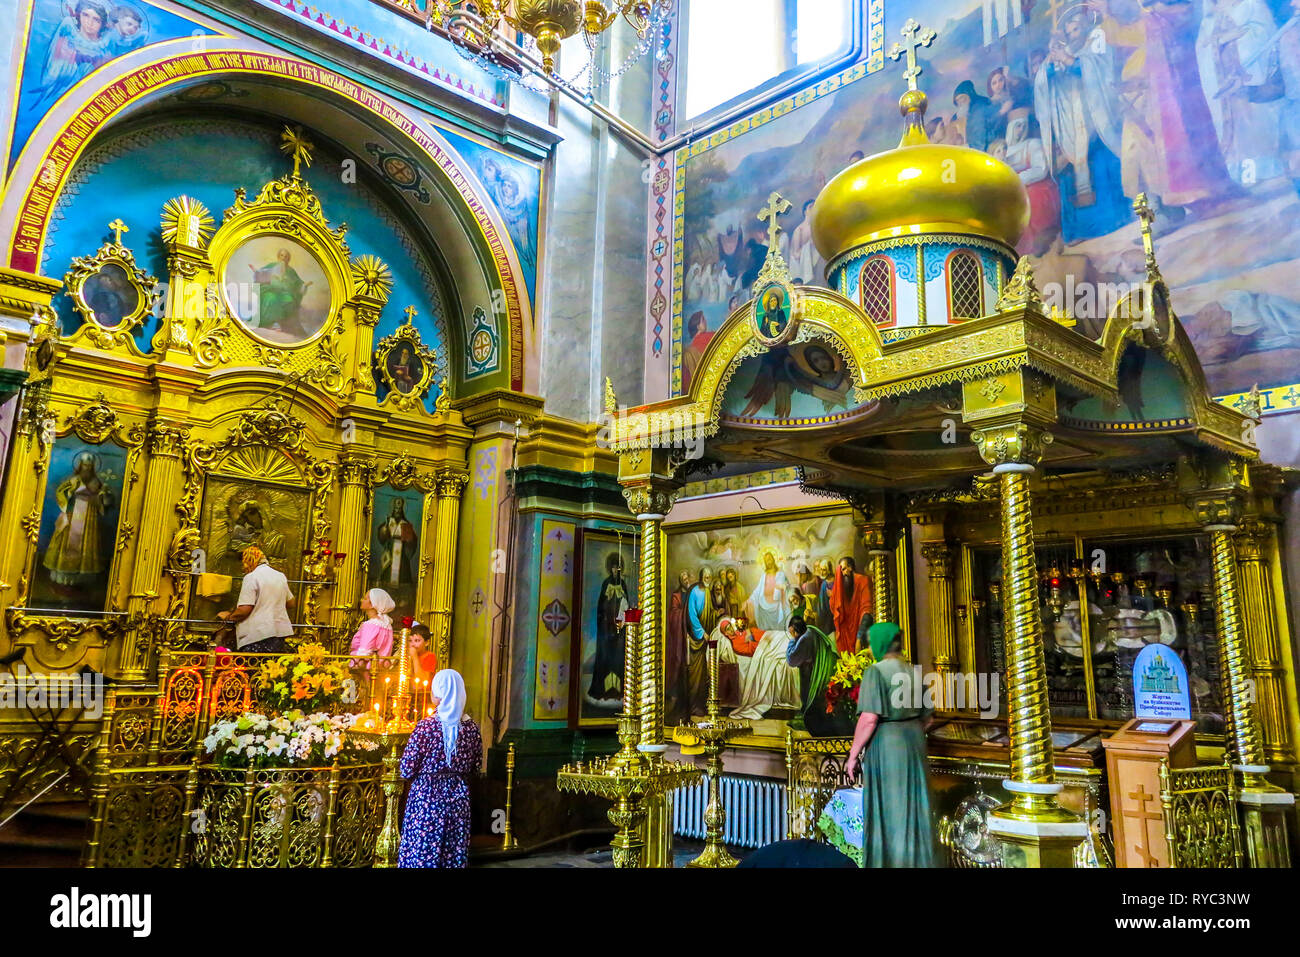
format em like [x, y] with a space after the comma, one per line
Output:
[734, 47]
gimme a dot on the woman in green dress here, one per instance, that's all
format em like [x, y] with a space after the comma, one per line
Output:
[891, 731]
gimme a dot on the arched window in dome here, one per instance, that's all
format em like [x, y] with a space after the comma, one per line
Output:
[965, 286]
[876, 290]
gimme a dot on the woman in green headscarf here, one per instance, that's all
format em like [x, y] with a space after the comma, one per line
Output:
[891, 731]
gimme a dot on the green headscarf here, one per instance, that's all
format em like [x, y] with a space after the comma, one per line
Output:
[880, 636]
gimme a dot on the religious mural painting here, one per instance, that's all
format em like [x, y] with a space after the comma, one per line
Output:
[79, 522]
[1091, 103]
[798, 384]
[395, 543]
[70, 39]
[758, 575]
[238, 513]
[606, 589]
[515, 188]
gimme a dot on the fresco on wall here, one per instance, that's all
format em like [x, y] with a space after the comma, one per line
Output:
[1195, 103]
[516, 189]
[748, 571]
[70, 39]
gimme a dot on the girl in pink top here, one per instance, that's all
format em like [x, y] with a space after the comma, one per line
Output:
[375, 636]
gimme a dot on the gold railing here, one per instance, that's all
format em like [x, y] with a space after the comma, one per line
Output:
[289, 817]
[155, 803]
[1200, 808]
[814, 772]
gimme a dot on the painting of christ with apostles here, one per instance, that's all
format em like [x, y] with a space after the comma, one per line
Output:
[740, 586]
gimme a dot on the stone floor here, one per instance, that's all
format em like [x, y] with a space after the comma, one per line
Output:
[683, 851]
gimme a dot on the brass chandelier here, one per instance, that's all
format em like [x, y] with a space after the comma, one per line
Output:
[481, 26]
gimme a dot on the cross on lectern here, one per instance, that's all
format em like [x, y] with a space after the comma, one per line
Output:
[1143, 815]
[776, 205]
[914, 38]
[118, 227]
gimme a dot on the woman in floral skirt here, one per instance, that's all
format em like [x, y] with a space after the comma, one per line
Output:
[442, 753]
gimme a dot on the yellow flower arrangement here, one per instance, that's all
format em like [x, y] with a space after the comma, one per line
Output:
[306, 679]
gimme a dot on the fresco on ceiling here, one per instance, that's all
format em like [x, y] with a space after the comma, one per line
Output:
[1195, 103]
[131, 176]
[70, 39]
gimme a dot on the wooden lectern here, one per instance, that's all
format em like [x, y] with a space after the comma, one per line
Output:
[1133, 755]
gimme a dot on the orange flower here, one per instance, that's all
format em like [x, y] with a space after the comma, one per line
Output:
[300, 690]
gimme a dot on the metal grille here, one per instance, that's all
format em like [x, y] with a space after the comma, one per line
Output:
[1200, 816]
[755, 810]
[965, 292]
[877, 288]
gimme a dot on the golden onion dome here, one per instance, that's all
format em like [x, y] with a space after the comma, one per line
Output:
[920, 187]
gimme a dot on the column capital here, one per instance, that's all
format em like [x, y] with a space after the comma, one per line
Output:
[1252, 540]
[1219, 508]
[356, 468]
[449, 483]
[1012, 443]
[165, 439]
[940, 556]
[651, 496]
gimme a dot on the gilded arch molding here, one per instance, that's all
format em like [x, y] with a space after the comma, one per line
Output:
[816, 313]
[44, 166]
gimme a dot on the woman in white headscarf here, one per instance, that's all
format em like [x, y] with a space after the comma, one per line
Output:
[375, 636]
[442, 753]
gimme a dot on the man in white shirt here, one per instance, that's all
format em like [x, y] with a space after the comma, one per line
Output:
[262, 615]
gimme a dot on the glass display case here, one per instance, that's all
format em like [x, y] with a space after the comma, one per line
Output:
[1136, 593]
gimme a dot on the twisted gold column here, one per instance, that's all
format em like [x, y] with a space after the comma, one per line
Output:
[878, 556]
[1034, 829]
[1265, 806]
[943, 639]
[450, 485]
[650, 498]
[1245, 730]
[1030, 723]
[651, 671]
[1255, 545]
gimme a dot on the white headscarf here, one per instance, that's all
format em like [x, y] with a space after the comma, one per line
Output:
[449, 688]
[383, 603]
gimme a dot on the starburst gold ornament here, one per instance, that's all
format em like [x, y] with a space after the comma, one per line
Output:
[186, 221]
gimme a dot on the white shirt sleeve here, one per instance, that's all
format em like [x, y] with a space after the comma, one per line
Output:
[248, 590]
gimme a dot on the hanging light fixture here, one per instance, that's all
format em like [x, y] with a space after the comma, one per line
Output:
[480, 28]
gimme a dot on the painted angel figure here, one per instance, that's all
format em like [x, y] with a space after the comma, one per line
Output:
[80, 44]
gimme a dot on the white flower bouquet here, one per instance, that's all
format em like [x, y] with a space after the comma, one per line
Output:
[291, 739]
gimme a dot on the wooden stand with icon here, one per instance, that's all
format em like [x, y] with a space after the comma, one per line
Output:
[1133, 756]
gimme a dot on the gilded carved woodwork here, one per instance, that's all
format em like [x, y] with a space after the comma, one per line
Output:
[1014, 443]
[110, 292]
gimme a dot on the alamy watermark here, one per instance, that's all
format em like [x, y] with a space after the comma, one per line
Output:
[954, 691]
[82, 691]
[1097, 300]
